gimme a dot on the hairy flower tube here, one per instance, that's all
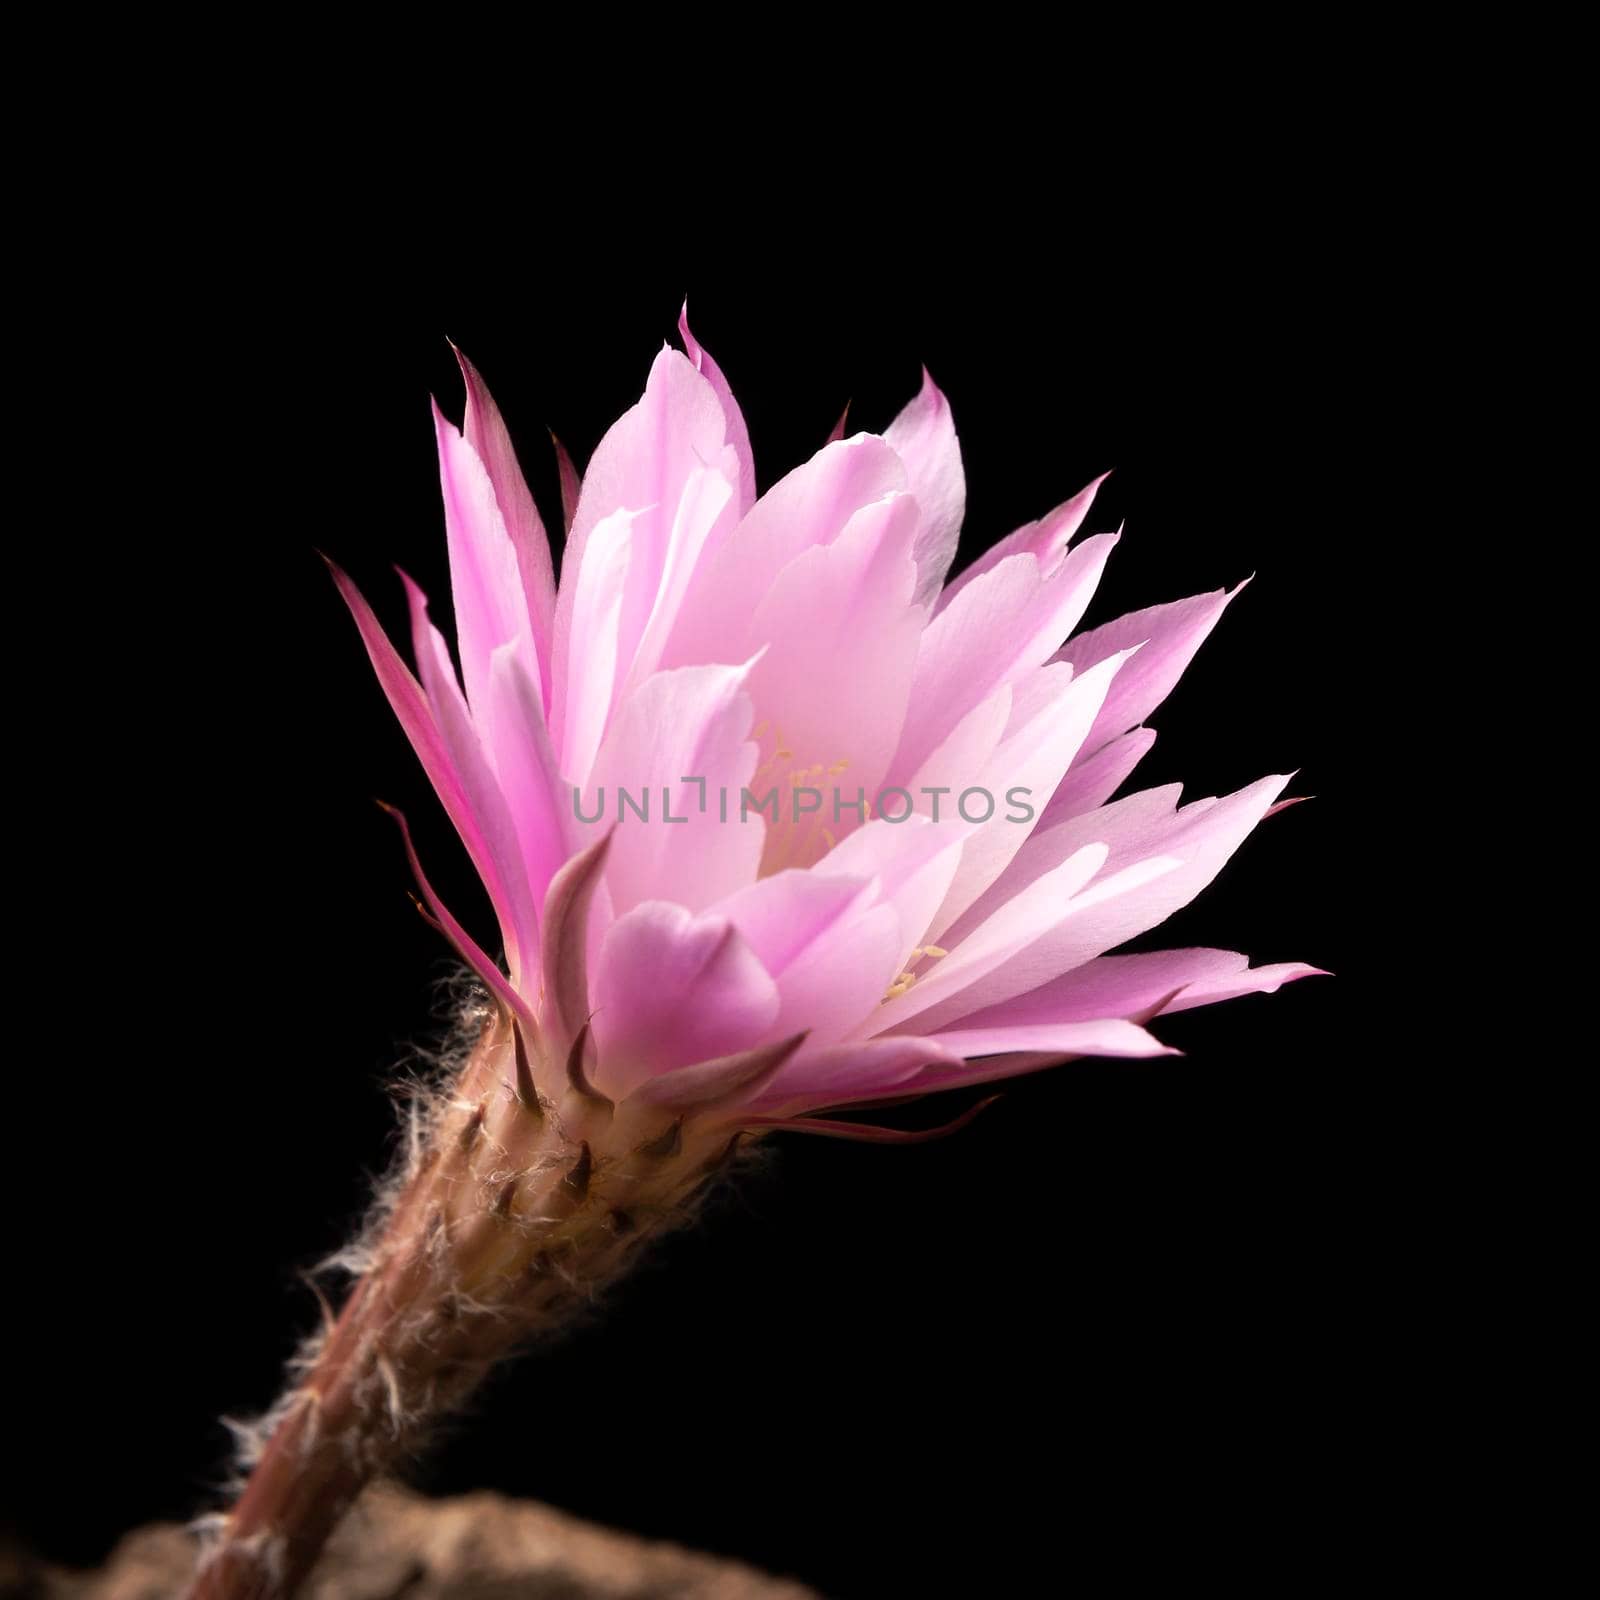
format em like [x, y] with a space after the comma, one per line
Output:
[776, 819]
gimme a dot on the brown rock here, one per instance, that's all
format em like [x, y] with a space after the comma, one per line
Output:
[399, 1546]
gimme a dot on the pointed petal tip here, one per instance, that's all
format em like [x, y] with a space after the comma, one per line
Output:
[1284, 805]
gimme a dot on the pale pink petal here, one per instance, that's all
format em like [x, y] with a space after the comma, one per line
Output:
[654, 599]
[839, 636]
[486, 585]
[866, 1069]
[538, 798]
[640, 466]
[1170, 636]
[410, 705]
[672, 988]
[1014, 925]
[810, 507]
[485, 431]
[964, 753]
[1196, 840]
[1051, 715]
[1092, 780]
[1253, 980]
[1139, 986]
[1004, 1054]
[502, 869]
[738, 433]
[1102, 1037]
[1047, 539]
[783, 915]
[595, 626]
[692, 723]
[1112, 986]
[830, 942]
[924, 437]
[1001, 627]
[911, 865]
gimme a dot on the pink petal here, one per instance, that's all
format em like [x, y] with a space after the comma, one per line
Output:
[1196, 840]
[692, 723]
[1001, 627]
[1092, 780]
[678, 427]
[1047, 539]
[838, 634]
[738, 433]
[860, 1070]
[486, 586]
[485, 432]
[506, 880]
[595, 632]
[1254, 980]
[830, 942]
[1012, 927]
[810, 507]
[1051, 717]
[1170, 636]
[538, 798]
[671, 989]
[924, 437]
[455, 767]
[1159, 981]
[1101, 1037]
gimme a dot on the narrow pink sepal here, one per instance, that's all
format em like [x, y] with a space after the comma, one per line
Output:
[698, 1086]
[866, 1132]
[466, 946]
[565, 943]
[410, 705]
[571, 483]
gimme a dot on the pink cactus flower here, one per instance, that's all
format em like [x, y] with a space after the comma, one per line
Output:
[777, 820]
[760, 774]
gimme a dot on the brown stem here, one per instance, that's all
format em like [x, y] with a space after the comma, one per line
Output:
[515, 1208]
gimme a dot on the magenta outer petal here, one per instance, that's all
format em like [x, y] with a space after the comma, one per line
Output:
[466, 946]
[410, 705]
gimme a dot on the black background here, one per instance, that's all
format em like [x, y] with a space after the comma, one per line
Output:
[1125, 1317]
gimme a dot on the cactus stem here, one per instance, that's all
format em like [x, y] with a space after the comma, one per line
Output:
[498, 1229]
